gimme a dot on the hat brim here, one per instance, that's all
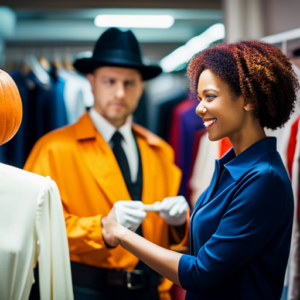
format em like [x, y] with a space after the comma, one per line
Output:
[88, 65]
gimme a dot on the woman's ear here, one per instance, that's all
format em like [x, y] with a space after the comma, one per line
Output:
[248, 107]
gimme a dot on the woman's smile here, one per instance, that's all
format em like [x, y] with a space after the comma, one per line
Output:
[208, 123]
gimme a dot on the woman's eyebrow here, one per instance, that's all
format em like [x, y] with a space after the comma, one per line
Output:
[207, 90]
[210, 89]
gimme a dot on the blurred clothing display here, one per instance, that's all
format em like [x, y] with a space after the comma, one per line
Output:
[294, 169]
[162, 116]
[43, 110]
[77, 94]
[32, 231]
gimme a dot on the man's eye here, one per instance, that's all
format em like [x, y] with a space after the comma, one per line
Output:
[130, 83]
[109, 82]
[199, 99]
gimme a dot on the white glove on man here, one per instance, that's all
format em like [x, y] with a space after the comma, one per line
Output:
[130, 214]
[173, 210]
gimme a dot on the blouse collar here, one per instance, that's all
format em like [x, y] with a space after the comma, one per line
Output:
[239, 165]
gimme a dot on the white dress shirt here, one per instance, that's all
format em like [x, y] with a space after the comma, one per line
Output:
[128, 143]
[32, 229]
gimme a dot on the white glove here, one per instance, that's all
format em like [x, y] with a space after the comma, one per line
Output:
[130, 214]
[173, 210]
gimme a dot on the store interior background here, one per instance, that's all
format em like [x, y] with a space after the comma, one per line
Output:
[59, 30]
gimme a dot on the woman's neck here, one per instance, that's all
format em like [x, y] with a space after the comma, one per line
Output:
[248, 136]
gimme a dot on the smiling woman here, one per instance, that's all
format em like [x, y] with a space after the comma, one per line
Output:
[240, 230]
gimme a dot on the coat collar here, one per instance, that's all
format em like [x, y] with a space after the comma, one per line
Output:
[85, 129]
[239, 165]
[104, 167]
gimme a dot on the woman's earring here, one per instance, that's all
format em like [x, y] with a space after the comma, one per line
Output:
[246, 109]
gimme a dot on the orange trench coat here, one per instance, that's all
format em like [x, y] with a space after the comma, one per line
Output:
[90, 181]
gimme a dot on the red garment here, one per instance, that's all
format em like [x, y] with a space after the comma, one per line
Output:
[292, 146]
[224, 146]
[177, 293]
[291, 153]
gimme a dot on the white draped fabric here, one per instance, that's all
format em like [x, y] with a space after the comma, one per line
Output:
[32, 229]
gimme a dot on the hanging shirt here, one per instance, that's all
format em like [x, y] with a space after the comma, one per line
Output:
[128, 143]
[32, 229]
[73, 95]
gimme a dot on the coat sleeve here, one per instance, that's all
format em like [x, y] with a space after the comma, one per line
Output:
[251, 219]
[84, 233]
[179, 237]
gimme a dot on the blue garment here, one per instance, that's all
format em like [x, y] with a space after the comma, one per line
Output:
[240, 237]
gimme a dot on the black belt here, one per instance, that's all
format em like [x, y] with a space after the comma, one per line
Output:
[99, 278]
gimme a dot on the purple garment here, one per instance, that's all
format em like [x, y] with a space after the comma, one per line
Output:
[190, 123]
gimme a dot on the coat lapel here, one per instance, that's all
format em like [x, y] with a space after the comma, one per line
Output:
[101, 161]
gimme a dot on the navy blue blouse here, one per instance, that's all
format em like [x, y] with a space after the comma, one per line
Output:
[240, 229]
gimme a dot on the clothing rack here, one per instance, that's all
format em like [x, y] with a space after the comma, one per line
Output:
[282, 38]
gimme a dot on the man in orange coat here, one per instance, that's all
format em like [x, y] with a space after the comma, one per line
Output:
[104, 160]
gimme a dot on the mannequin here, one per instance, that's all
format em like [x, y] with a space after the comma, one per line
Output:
[32, 226]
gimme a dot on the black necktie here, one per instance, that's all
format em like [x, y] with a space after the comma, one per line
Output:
[121, 156]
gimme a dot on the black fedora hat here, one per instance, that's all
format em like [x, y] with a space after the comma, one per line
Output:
[117, 48]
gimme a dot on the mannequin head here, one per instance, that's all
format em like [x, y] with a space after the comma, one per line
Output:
[10, 108]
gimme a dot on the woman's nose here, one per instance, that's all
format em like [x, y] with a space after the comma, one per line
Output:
[201, 110]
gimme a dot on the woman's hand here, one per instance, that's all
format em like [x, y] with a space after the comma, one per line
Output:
[160, 259]
[111, 230]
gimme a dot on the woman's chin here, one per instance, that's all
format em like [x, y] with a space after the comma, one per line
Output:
[214, 137]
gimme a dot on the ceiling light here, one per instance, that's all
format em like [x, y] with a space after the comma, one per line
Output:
[184, 53]
[134, 21]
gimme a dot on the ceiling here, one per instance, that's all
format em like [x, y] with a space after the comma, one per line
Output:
[49, 26]
[29, 5]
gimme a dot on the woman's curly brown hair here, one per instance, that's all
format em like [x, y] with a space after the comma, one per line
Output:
[258, 71]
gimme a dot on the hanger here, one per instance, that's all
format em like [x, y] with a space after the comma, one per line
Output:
[33, 63]
[67, 63]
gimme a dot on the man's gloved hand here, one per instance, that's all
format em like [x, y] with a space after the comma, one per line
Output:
[174, 210]
[130, 214]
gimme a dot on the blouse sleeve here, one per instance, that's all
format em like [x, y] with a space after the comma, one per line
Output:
[252, 218]
[54, 261]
